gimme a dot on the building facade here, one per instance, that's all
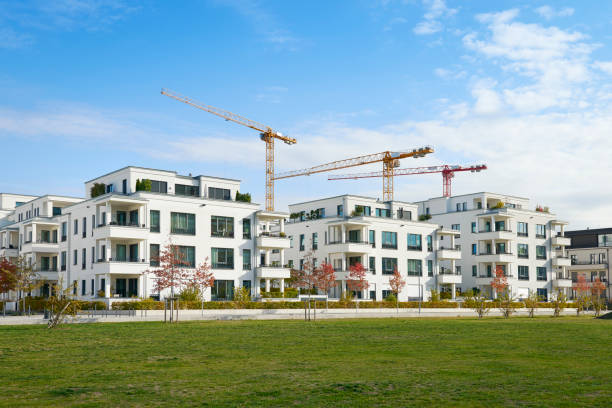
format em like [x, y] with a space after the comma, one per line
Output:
[103, 244]
[589, 254]
[498, 230]
[382, 236]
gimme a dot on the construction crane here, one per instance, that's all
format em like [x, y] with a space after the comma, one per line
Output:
[448, 172]
[266, 133]
[390, 161]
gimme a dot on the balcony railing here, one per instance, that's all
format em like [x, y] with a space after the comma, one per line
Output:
[350, 241]
[497, 230]
[46, 241]
[125, 224]
[272, 234]
[575, 262]
[127, 260]
[444, 271]
[495, 253]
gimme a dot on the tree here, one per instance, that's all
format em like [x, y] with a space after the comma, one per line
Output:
[26, 279]
[531, 303]
[397, 283]
[246, 197]
[597, 290]
[325, 278]
[98, 189]
[175, 272]
[581, 287]
[500, 285]
[306, 278]
[356, 279]
[559, 303]
[7, 276]
[61, 304]
[478, 302]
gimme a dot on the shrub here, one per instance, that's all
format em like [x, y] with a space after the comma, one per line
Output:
[98, 189]
[245, 198]
[391, 298]
[143, 185]
[446, 295]
[191, 293]
[424, 217]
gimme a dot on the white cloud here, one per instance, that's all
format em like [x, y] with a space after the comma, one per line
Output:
[549, 13]
[436, 10]
[605, 66]
[9, 39]
[488, 100]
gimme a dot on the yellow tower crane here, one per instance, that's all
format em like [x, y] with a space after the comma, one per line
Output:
[390, 161]
[266, 133]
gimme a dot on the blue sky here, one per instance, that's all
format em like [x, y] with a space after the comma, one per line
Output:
[521, 86]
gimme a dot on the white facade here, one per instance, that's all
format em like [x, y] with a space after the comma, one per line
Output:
[104, 244]
[501, 230]
[347, 229]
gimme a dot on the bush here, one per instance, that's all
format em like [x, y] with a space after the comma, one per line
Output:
[446, 295]
[98, 189]
[191, 293]
[391, 298]
[245, 198]
[38, 304]
[424, 217]
[143, 185]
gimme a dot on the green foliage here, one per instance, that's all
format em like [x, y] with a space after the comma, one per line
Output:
[499, 204]
[143, 185]
[358, 211]
[290, 293]
[38, 304]
[98, 189]
[242, 295]
[245, 198]
[190, 293]
[424, 217]
[391, 298]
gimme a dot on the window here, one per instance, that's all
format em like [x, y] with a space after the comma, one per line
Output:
[500, 226]
[246, 228]
[57, 211]
[315, 241]
[182, 223]
[76, 227]
[372, 234]
[84, 227]
[464, 206]
[187, 255]
[64, 231]
[456, 227]
[540, 231]
[523, 272]
[109, 189]
[63, 260]
[474, 249]
[222, 290]
[186, 190]
[474, 270]
[389, 265]
[500, 248]
[458, 206]
[221, 226]
[372, 265]
[154, 254]
[93, 256]
[386, 293]
[523, 250]
[92, 287]
[429, 243]
[474, 230]
[458, 270]
[74, 287]
[354, 236]
[540, 252]
[406, 215]
[219, 193]
[340, 210]
[159, 187]
[83, 287]
[246, 259]
[246, 284]
[389, 240]
[415, 267]
[429, 267]
[75, 255]
[383, 212]
[124, 186]
[83, 258]
[302, 242]
[541, 273]
[154, 220]
[543, 294]
[522, 229]
[222, 258]
[414, 242]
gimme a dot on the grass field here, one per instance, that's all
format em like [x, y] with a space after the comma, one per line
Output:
[340, 363]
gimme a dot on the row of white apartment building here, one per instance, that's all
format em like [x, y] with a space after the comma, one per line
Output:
[104, 244]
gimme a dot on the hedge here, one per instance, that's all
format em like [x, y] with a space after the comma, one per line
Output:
[40, 304]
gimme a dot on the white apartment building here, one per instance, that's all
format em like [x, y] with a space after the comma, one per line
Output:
[502, 230]
[104, 244]
[382, 236]
[590, 256]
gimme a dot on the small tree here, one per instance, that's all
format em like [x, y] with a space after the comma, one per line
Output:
[175, 272]
[357, 278]
[7, 276]
[559, 303]
[397, 283]
[597, 290]
[477, 302]
[581, 287]
[531, 303]
[97, 189]
[500, 285]
[246, 197]
[325, 279]
[26, 279]
[61, 304]
[306, 278]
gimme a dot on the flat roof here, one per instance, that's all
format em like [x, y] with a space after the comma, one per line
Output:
[477, 193]
[593, 231]
[161, 170]
[353, 196]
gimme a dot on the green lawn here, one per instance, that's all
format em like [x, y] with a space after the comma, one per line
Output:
[334, 363]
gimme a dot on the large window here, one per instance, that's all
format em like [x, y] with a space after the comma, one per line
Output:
[541, 273]
[159, 187]
[429, 267]
[429, 243]
[246, 228]
[315, 241]
[474, 229]
[372, 235]
[187, 255]
[154, 214]
[523, 272]
[219, 193]
[222, 290]
[383, 212]
[222, 258]
[415, 267]
[389, 240]
[154, 254]
[246, 259]
[522, 229]
[372, 265]
[523, 250]
[182, 223]
[540, 231]
[186, 190]
[389, 265]
[222, 226]
[302, 242]
[414, 242]
[540, 252]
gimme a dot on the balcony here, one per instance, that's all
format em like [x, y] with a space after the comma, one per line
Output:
[561, 261]
[561, 241]
[448, 253]
[272, 272]
[125, 231]
[350, 246]
[9, 253]
[505, 234]
[588, 265]
[47, 274]
[447, 276]
[562, 283]
[500, 257]
[274, 241]
[126, 267]
[45, 246]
